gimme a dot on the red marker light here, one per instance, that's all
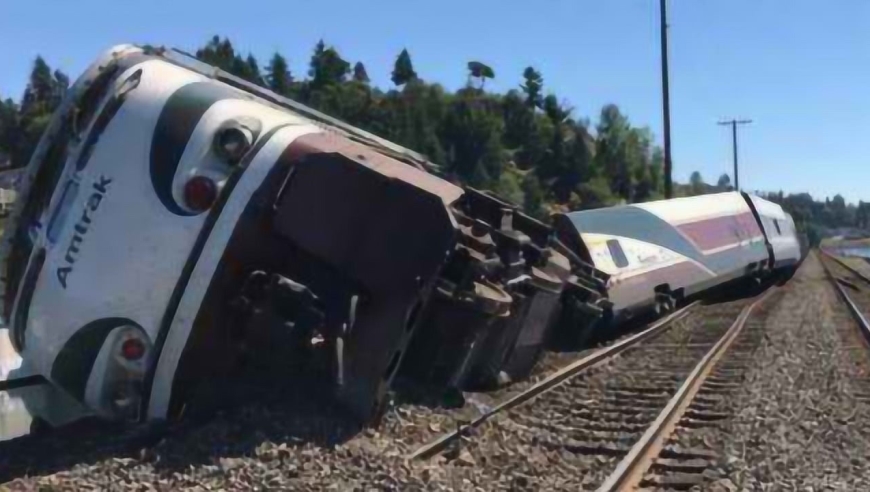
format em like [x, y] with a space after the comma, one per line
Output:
[200, 193]
[132, 349]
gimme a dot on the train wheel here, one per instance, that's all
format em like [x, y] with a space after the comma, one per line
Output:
[664, 303]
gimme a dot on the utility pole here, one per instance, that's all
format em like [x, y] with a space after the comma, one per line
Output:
[734, 124]
[666, 107]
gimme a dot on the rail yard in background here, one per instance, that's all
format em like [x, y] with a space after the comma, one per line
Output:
[324, 310]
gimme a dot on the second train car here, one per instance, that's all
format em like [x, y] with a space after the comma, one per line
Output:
[660, 252]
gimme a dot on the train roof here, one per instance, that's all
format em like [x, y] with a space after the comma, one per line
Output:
[674, 211]
[768, 208]
[650, 218]
[693, 208]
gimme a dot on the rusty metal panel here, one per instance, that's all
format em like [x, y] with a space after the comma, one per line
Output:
[383, 227]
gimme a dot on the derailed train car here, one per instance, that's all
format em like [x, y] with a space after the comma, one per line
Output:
[174, 216]
[170, 215]
[658, 253]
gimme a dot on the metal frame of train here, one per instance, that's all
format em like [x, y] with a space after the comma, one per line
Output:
[173, 214]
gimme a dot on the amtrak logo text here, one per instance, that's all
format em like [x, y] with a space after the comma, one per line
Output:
[81, 229]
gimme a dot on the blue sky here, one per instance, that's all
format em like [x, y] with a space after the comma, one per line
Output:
[799, 68]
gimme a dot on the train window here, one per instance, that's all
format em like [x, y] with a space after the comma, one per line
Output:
[617, 254]
[776, 224]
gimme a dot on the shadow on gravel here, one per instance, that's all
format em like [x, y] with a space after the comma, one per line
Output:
[260, 418]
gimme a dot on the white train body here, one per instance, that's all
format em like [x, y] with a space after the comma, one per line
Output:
[119, 258]
[681, 247]
[779, 228]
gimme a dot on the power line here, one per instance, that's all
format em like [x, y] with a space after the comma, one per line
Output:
[734, 123]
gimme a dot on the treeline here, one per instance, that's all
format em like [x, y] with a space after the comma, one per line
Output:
[819, 219]
[21, 124]
[526, 144]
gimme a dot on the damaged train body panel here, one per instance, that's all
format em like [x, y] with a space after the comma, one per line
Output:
[164, 211]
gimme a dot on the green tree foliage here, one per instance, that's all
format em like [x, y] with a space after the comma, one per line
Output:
[403, 70]
[472, 137]
[527, 146]
[327, 67]
[533, 87]
[278, 75]
[220, 53]
[862, 215]
[612, 150]
[10, 130]
[724, 183]
[360, 74]
[656, 172]
[22, 125]
[480, 71]
[696, 183]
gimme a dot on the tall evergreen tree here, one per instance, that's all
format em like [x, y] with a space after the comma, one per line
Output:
[360, 74]
[218, 52]
[533, 87]
[278, 75]
[613, 132]
[41, 89]
[248, 69]
[42, 95]
[327, 67]
[403, 70]
[10, 137]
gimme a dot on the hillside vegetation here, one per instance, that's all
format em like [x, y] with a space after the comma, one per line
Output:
[526, 144]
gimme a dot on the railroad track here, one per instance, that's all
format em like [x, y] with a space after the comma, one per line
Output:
[856, 296]
[655, 459]
[611, 427]
[858, 302]
[552, 381]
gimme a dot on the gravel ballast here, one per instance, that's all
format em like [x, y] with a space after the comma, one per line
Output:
[800, 421]
[293, 443]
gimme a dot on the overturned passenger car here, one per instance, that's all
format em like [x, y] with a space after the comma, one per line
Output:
[173, 214]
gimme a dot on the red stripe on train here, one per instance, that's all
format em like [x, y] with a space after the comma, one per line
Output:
[723, 231]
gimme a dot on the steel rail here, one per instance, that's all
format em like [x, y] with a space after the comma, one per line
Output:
[845, 265]
[863, 325]
[552, 381]
[630, 471]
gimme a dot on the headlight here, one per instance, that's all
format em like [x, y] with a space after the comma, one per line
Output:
[233, 142]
